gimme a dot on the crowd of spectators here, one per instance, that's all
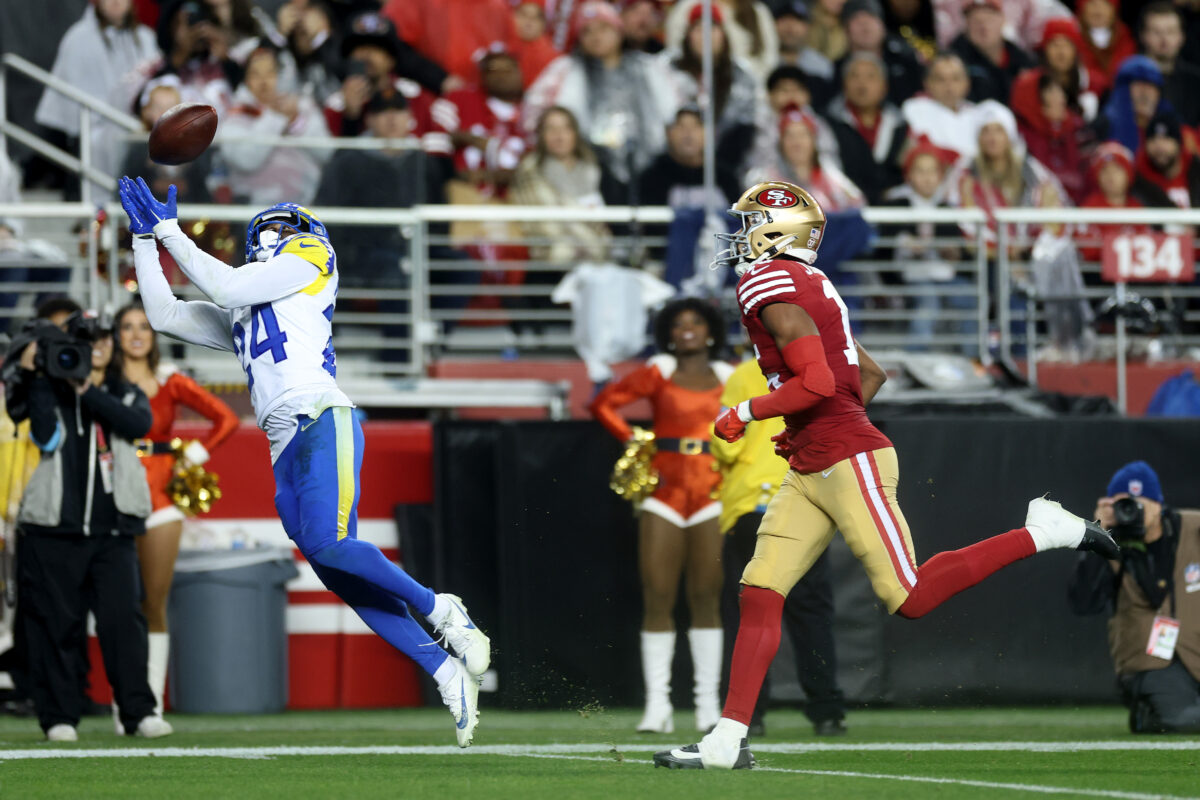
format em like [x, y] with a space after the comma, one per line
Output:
[972, 103]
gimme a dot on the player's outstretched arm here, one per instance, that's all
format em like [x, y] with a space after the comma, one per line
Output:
[196, 321]
[227, 287]
[812, 381]
[871, 375]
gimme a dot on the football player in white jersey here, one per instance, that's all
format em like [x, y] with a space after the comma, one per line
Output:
[275, 313]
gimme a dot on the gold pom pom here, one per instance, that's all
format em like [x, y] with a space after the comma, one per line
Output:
[633, 478]
[192, 488]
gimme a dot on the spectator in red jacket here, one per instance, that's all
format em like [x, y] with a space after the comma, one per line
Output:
[532, 45]
[453, 32]
[1060, 50]
[1107, 40]
[1113, 176]
[484, 124]
[1166, 161]
[1053, 131]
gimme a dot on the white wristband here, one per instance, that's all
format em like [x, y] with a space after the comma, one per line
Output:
[743, 411]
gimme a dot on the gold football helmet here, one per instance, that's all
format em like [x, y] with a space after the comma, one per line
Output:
[776, 216]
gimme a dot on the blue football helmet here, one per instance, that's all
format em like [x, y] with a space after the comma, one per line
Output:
[298, 218]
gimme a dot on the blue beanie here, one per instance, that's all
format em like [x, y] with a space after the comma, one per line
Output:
[1138, 479]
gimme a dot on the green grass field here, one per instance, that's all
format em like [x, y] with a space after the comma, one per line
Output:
[595, 754]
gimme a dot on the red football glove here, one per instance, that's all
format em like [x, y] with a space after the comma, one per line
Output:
[731, 423]
[782, 448]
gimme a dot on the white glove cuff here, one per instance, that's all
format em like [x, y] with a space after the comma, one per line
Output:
[195, 453]
[167, 227]
[743, 411]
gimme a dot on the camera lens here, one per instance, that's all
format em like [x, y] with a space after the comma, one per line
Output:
[68, 359]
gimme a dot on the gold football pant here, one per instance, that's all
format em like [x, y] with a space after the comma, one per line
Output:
[856, 496]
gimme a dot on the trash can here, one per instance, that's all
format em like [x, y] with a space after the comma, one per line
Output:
[228, 617]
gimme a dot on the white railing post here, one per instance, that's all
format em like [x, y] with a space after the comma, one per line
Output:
[91, 229]
[1031, 337]
[1122, 398]
[1003, 294]
[983, 292]
[419, 310]
[3, 105]
[112, 221]
[85, 154]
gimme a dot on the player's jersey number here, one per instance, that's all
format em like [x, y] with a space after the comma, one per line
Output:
[272, 339]
[851, 352]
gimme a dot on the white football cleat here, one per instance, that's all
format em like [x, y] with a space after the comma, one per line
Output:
[713, 752]
[460, 693]
[467, 641]
[62, 732]
[1052, 526]
[153, 727]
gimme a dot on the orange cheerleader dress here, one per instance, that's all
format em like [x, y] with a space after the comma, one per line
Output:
[174, 391]
[682, 430]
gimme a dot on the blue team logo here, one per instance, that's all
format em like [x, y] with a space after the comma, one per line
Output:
[1191, 575]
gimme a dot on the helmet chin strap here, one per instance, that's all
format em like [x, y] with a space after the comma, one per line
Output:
[780, 249]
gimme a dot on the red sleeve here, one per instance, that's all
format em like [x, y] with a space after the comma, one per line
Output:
[645, 381]
[189, 393]
[773, 283]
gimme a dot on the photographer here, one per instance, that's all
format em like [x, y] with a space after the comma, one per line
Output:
[78, 516]
[1154, 591]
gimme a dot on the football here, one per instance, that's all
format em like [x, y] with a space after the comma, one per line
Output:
[182, 133]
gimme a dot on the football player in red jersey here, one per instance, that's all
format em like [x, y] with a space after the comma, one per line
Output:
[844, 471]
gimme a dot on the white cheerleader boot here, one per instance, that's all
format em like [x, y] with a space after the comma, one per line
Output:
[156, 667]
[658, 651]
[707, 646]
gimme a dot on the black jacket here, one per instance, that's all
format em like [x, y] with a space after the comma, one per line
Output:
[988, 81]
[1093, 586]
[121, 410]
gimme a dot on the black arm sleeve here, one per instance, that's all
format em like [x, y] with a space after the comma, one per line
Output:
[411, 64]
[127, 421]
[41, 406]
[1092, 585]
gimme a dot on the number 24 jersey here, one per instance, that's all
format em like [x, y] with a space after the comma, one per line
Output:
[837, 427]
[286, 346]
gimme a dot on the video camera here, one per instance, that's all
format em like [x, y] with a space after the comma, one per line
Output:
[1129, 523]
[67, 354]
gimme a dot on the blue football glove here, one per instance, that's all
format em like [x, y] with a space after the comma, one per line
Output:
[140, 222]
[156, 211]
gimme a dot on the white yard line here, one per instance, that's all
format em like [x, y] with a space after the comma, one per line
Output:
[50, 751]
[1015, 787]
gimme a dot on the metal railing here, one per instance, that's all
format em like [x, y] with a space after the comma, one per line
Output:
[445, 294]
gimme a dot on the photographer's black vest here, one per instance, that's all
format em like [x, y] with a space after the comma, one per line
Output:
[1129, 628]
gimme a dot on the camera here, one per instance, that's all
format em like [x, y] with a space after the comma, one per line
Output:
[67, 354]
[1129, 521]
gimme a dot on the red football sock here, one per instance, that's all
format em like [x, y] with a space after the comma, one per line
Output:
[947, 574]
[757, 640]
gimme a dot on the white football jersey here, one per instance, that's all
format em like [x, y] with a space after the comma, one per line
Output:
[286, 346]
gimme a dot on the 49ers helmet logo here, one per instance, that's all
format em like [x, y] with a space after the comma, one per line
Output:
[778, 198]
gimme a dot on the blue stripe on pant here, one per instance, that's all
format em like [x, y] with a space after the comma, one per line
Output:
[316, 494]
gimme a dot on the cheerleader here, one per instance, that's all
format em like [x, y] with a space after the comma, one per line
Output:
[678, 529]
[136, 356]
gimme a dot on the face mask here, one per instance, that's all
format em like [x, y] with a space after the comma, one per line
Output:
[1100, 37]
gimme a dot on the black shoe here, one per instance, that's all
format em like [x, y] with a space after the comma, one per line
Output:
[1099, 541]
[689, 757]
[830, 727]
[758, 728]
[1144, 719]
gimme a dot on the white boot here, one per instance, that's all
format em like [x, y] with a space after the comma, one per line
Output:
[156, 667]
[707, 647]
[658, 652]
